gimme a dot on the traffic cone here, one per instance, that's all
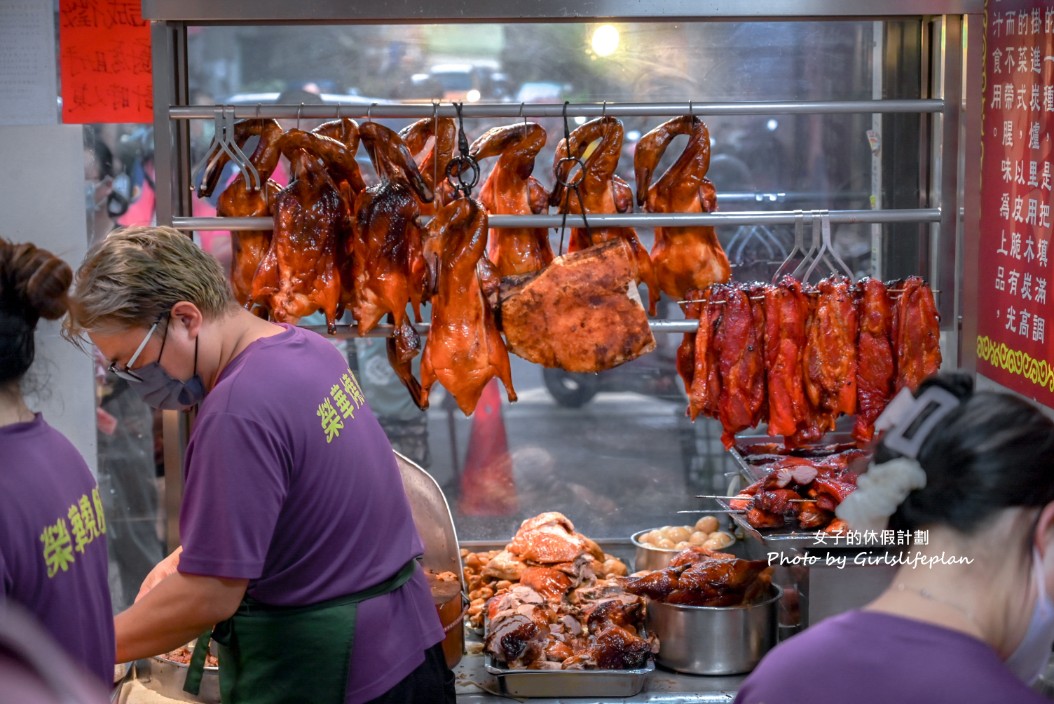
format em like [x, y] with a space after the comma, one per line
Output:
[487, 484]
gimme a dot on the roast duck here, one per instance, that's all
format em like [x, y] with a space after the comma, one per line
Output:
[301, 273]
[794, 356]
[464, 349]
[701, 577]
[239, 200]
[511, 190]
[684, 258]
[798, 357]
[595, 189]
[556, 613]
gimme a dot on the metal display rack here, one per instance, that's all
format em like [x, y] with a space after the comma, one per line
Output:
[949, 129]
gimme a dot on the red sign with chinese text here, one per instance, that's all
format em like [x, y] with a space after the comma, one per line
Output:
[105, 63]
[1013, 346]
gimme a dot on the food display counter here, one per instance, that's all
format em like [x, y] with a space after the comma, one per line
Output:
[928, 218]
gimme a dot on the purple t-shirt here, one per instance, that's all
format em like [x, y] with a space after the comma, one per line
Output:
[292, 484]
[53, 542]
[867, 657]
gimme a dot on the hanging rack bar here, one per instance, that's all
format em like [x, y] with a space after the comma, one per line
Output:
[515, 111]
[767, 217]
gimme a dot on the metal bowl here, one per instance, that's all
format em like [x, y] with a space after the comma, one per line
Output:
[714, 640]
[166, 677]
[649, 557]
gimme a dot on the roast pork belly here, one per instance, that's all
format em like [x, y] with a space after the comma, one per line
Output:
[582, 313]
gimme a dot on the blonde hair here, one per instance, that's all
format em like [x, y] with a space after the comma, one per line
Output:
[136, 274]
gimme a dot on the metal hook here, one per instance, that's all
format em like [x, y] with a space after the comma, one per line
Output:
[258, 111]
[338, 112]
[691, 109]
[524, 116]
[604, 109]
[299, 110]
[797, 250]
[369, 112]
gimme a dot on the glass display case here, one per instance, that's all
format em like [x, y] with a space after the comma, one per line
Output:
[815, 110]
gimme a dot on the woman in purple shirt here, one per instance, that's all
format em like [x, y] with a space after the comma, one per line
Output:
[53, 559]
[968, 617]
[297, 537]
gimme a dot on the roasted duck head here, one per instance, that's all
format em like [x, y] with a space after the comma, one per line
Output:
[431, 142]
[684, 257]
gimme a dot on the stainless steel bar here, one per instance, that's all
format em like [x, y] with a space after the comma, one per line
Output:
[468, 11]
[622, 219]
[358, 109]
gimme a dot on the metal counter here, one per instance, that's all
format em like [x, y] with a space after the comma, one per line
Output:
[476, 686]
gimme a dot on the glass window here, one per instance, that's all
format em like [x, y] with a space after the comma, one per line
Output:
[612, 451]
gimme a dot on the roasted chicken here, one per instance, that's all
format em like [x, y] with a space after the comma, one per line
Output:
[916, 334]
[874, 354]
[248, 247]
[596, 189]
[464, 349]
[683, 257]
[511, 190]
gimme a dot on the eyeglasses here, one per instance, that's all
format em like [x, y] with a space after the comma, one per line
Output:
[126, 373]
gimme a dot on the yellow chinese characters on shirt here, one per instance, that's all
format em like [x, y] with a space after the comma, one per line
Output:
[62, 540]
[345, 397]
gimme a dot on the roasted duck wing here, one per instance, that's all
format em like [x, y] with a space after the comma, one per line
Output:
[738, 344]
[874, 369]
[786, 316]
[464, 349]
[238, 201]
[511, 190]
[299, 274]
[388, 265]
[684, 257]
[599, 191]
[830, 353]
[916, 334]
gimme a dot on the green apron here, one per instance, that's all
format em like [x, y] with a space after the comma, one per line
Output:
[283, 654]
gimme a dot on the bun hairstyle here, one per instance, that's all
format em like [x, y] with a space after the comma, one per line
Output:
[34, 284]
[994, 451]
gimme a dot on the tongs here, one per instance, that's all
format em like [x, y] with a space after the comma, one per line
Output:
[826, 251]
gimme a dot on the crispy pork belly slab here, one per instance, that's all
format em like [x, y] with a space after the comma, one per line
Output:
[581, 313]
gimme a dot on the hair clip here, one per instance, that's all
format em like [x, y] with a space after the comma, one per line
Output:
[909, 420]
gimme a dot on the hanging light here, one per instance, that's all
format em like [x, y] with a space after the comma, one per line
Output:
[605, 40]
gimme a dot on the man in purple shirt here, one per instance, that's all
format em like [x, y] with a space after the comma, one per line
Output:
[297, 537]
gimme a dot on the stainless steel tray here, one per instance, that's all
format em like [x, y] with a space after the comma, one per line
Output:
[569, 683]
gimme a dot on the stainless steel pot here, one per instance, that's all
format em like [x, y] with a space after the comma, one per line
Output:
[649, 557]
[166, 677]
[714, 640]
